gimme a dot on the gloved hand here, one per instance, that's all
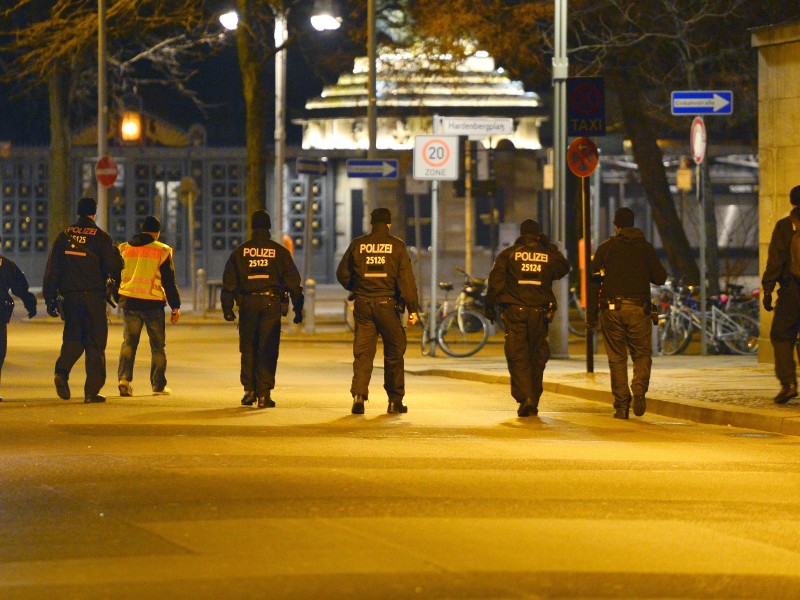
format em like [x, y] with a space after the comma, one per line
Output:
[52, 309]
[768, 301]
[297, 307]
[229, 315]
[490, 313]
[32, 313]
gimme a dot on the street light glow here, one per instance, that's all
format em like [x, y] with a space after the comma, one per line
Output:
[325, 22]
[229, 20]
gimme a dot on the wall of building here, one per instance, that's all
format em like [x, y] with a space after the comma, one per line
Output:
[778, 137]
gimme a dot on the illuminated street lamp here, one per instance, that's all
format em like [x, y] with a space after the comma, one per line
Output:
[130, 127]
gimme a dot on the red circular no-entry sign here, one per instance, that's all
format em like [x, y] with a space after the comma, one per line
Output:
[106, 171]
[582, 157]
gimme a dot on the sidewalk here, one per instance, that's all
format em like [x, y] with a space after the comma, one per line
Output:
[721, 390]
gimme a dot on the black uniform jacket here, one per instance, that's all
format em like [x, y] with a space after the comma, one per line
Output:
[12, 278]
[378, 265]
[630, 263]
[523, 273]
[83, 257]
[260, 265]
[778, 256]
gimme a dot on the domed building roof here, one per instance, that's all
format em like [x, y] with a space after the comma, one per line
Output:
[409, 93]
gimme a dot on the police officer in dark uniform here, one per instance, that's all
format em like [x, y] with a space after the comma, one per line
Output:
[256, 277]
[81, 263]
[627, 265]
[786, 321]
[521, 285]
[377, 271]
[12, 279]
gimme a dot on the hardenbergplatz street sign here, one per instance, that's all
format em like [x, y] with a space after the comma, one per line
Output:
[476, 127]
[714, 102]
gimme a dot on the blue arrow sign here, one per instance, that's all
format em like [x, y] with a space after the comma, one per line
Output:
[384, 168]
[702, 103]
[310, 166]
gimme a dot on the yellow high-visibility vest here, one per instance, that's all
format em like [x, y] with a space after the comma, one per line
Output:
[141, 277]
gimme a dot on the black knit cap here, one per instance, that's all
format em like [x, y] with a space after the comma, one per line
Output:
[623, 217]
[260, 220]
[794, 195]
[381, 215]
[151, 225]
[87, 207]
[529, 227]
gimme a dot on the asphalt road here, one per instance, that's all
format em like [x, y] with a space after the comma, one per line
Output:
[194, 496]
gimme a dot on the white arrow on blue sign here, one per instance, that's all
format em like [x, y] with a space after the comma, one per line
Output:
[310, 166]
[384, 168]
[713, 102]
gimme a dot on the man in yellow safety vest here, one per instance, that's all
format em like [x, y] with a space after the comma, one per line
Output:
[148, 284]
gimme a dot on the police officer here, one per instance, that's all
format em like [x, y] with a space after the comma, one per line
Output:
[257, 275]
[786, 322]
[81, 263]
[376, 269]
[521, 285]
[12, 279]
[148, 283]
[627, 265]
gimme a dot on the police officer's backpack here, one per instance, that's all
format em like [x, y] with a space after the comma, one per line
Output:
[794, 248]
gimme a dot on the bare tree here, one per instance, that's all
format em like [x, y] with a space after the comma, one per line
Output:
[152, 42]
[644, 49]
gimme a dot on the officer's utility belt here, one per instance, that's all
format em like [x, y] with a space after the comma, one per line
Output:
[618, 303]
[272, 295]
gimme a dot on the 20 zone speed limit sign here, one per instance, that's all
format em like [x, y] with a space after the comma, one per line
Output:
[436, 157]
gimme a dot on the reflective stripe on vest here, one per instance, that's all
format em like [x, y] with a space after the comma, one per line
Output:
[141, 277]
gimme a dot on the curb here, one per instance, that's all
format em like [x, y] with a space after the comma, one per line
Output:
[691, 410]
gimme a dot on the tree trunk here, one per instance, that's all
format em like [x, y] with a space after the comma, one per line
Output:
[653, 175]
[253, 69]
[59, 176]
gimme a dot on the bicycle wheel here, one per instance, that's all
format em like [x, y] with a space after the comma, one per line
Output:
[674, 332]
[739, 333]
[463, 333]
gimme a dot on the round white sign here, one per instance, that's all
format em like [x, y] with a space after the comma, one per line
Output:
[697, 140]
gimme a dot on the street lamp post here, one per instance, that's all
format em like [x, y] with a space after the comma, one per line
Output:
[102, 111]
[372, 105]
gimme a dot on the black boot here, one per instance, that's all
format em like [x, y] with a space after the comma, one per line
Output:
[396, 407]
[528, 408]
[639, 405]
[265, 401]
[621, 409]
[788, 391]
[249, 398]
[358, 404]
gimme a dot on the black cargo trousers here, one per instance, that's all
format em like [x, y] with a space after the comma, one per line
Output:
[526, 350]
[373, 317]
[626, 329]
[784, 330]
[85, 330]
[259, 341]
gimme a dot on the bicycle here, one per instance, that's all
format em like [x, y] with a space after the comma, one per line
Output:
[575, 304]
[736, 332]
[460, 331]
